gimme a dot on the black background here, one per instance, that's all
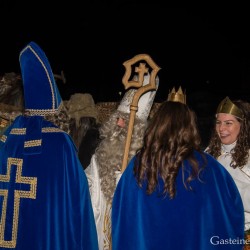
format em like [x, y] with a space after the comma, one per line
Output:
[206, 51]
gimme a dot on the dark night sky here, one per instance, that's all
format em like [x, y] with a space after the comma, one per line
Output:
[201, 50]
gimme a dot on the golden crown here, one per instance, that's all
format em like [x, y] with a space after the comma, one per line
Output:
[228, 107]
[178, 96]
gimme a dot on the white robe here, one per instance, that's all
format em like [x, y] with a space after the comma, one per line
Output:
[101, 208]
[241, 178]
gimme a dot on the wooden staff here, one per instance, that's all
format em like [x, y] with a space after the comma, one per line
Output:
[141, 70]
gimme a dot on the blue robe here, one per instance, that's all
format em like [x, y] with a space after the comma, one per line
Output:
[44, 197]
[193, 220]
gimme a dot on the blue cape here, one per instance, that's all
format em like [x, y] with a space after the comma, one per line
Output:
[199, 219]
[44, 196]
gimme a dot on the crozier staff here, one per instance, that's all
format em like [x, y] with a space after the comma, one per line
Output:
[141, 90]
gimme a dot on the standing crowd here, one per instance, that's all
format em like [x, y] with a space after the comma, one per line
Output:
[62, 186]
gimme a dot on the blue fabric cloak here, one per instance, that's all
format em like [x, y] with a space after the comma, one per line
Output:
[211, 216]
[44, 197]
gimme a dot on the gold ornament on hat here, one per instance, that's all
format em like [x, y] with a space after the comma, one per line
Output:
[178, 96]
[228, 107]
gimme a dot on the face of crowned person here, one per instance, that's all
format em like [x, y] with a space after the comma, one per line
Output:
[227, 127]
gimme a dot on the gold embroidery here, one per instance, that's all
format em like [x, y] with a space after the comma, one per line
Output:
[18, 131]
[18, 194]
[3, 138]
[4, 122]
[22, 131]
[32, 143]
[107, 228]
[40, 112]
[44, 112]
[51, 130]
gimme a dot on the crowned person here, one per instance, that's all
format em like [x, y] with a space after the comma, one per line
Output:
[173, 195]
[45, 200]
[104, 170]
[230, 145]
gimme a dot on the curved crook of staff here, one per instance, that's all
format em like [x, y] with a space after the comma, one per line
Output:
[141, 70]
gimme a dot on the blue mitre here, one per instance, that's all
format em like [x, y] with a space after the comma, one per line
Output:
[41, 95]
[40, 91]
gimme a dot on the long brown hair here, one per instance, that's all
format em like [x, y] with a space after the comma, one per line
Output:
[171, 137]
